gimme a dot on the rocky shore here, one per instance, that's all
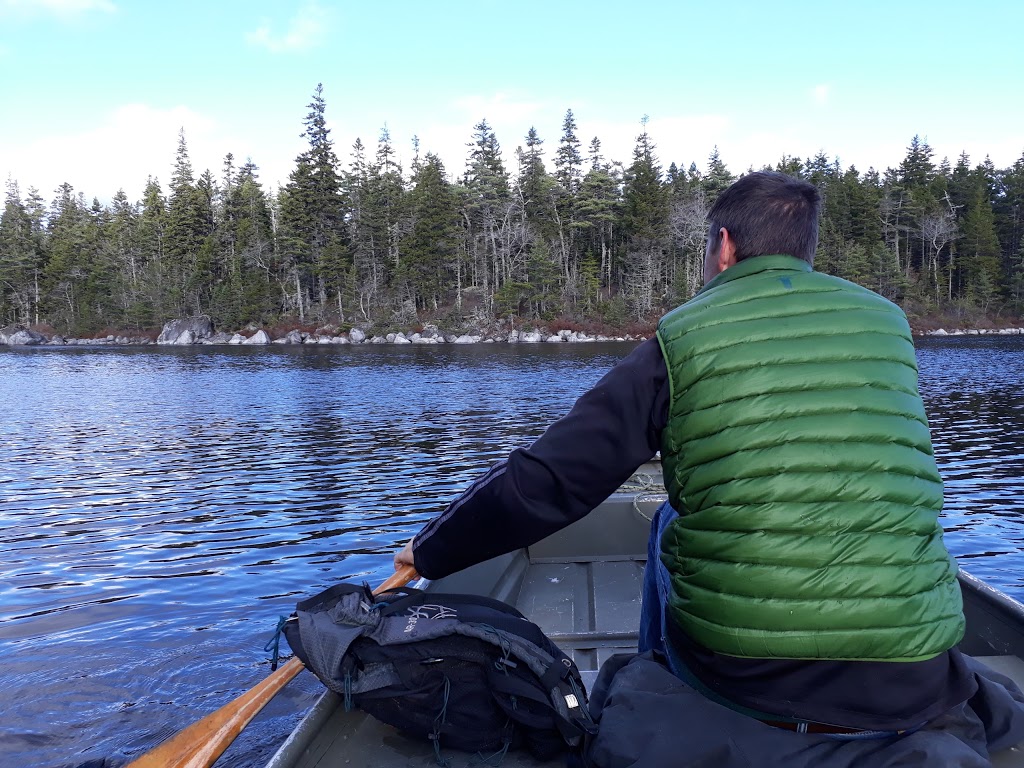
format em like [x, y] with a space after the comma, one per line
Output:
[200, 330]
[972, 332]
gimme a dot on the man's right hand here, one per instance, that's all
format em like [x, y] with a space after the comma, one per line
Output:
[404, 557]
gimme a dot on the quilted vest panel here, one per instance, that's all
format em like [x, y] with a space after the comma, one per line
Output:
[798, 454]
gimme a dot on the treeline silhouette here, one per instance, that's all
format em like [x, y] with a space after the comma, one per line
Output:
[564, 234]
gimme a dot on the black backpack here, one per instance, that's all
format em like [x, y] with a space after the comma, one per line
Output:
[463, 671]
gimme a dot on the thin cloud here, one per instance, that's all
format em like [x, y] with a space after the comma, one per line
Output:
[498, 108]
[306, 30]
[60, 8]
[679, 139]
[821, 93]
[130, 143]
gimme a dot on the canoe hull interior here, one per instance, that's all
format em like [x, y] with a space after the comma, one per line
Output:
[582, 586]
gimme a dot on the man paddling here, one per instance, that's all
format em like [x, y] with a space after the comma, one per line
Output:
[805, 583]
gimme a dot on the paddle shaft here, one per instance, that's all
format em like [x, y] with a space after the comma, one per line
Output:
[199, 745]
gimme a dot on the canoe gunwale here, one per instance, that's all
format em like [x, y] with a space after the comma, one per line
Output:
[995, 621]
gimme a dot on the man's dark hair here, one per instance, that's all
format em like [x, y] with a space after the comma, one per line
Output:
[768, 213]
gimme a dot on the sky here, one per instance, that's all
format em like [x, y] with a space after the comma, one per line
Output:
[94, 92]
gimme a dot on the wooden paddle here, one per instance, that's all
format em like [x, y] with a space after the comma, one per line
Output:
[199, 745]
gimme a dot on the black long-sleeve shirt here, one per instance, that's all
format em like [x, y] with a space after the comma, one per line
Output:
[575, 465]
[585, 456]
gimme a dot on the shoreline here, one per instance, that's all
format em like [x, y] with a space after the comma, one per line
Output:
[176, 334]
[199, 332]
[1010, 331]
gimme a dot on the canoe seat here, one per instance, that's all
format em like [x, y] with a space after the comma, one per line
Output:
[591, 610]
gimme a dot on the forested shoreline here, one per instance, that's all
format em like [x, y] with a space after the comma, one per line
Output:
[547, 237]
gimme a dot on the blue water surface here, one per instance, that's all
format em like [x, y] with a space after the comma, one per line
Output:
[161, 507]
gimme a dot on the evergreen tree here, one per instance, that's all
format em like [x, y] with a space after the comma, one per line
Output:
[65, 270]
[369, 266]
[384, 199]
[568, 160]
[375, 196]
[153, 305]
[917, 168]
[645, 219]
[791, 166]
[488, 209]
[569, 176]
[594, 154]
[598, 208]
[122, 235]
[21, 260]
[533, 179]
[543, 278]
[431, 246]
[208, 268]
[541, 225]
[980, 248]
[311, 217]
[1016, 281]
[718, 177]
[244, 289]
[99, 304]
[187, 228]
[1008, 209]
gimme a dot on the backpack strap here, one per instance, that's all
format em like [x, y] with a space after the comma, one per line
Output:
[554, 674]
[406, 598]
[332, 595]
[571, 728]
[414, 597]
[512, 685]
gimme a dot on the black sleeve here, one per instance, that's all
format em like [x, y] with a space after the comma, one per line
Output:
[570, 469]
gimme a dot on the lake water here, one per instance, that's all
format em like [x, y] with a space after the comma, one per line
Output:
[160, 508]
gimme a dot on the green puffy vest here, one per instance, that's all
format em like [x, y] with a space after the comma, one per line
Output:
[798, 455]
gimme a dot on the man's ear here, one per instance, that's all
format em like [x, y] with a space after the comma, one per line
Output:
[726, 250]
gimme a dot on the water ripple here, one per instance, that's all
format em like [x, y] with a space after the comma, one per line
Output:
[972, 389]
[159, 508]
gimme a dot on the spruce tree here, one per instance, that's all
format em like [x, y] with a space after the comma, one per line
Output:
[594, 154]
[21, 260]
[718, 177]
[189, 223]
[312, 215]
[488, 206]
[154, 302]
[980, 248]
[645, 219]
[568, 160]
[533, 182]
[385, 190]
[245, 288]
[431, 246]
[122, 235]
[64, 273]
[598, 208]
[370, 270]
[1008, 209]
